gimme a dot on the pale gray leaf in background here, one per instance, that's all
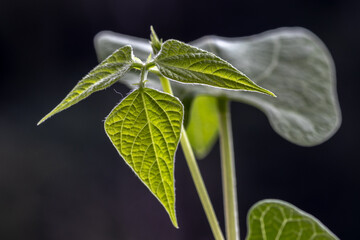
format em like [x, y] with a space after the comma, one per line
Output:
[106, 42]
[295, 65]
[291, 62]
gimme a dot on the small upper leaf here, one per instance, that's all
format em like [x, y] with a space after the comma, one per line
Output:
[102, 76]
[203, 127]
[145, 129]
[155, 41]
[278, 220]
[187, 64]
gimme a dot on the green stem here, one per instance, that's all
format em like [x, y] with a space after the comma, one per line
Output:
[165, 83]
[228, 171]
[200, 186]
[143, 76]
[196, 175]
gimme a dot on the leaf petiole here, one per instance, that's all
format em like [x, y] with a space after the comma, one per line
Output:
[143, 76]
[228, 170]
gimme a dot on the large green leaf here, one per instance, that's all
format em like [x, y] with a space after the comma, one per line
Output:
[278, 220]
[102, 76]
[145, 129]
[203, 127]
[187, 64]
[291, 62]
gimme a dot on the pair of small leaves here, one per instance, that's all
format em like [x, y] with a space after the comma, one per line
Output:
[176, 60]
[145, 127]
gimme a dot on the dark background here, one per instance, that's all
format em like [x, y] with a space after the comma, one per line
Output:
[64, 180]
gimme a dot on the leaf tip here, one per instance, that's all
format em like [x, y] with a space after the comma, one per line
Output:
[174, 221]
[47, 116]
[175, 224]
[152, 30]
[155, 42]
[271, 94]
[267, 92]
[41, 121]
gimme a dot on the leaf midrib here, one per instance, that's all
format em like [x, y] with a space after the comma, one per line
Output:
[224, 66]
[217, 63]
[189, 53]
[209, 75]
[156, 155]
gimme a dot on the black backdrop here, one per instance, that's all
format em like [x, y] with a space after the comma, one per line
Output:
[64, 180]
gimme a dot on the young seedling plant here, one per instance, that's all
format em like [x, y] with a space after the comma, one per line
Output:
[148, 124]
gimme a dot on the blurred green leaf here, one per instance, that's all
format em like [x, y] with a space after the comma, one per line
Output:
[203, 127]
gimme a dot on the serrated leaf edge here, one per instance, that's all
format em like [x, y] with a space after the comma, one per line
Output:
[53, 112]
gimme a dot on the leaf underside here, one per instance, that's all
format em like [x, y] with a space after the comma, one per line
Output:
[203, 127]
[278, 220]
[296, 65]
[292, 62]
[145, 129]
[187, 64]
[102, 76]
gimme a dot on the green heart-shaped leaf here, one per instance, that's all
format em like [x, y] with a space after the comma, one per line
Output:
[278, 220]
[102, 76]
[145, 129]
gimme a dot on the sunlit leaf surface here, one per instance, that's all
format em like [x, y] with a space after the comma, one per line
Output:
[145, 129]
[185, 63]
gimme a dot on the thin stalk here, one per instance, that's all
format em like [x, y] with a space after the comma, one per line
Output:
[165, 83]
[196, 175]
[228, 171]
[143, 76]
[200, 186]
